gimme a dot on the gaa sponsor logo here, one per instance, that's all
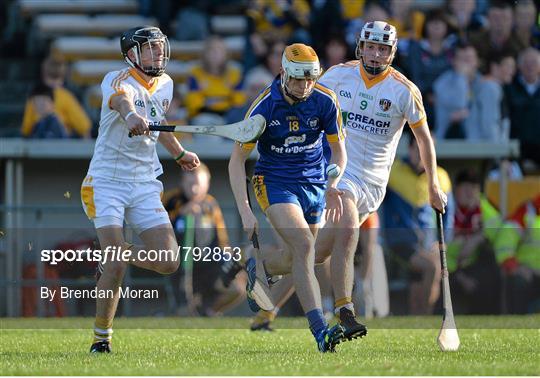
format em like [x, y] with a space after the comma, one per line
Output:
[140, 103]
[345, 94]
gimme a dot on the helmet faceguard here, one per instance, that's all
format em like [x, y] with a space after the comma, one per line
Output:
[379, 32]
[299, 61]
[135, 38]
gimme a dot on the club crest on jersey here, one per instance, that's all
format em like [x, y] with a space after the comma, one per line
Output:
[165, 104]
[313, 122]
[385, 104]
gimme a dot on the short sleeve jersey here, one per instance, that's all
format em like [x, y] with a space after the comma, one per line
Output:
[291, 148]
[374, 113]
[116, 156]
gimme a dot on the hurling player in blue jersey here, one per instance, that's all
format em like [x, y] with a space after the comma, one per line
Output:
[289, 180]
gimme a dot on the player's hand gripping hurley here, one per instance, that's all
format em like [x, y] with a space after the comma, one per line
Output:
[448, 338]
[246, 131]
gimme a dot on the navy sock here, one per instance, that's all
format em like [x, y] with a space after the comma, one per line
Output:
[316, 320]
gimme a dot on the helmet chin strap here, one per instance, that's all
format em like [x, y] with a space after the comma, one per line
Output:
[150, 71]
[293, 97]
[374, 70]
[288, 92]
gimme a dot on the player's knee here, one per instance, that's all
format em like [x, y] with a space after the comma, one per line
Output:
[304, 246]
[348, 232]
[321, 258]
[116, 269]
[168, 267]
[237, 289]
[287, 259]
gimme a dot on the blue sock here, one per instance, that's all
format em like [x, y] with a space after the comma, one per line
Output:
[316, 320]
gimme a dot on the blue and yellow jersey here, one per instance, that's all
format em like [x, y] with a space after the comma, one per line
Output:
[291, 147]
[407, 213]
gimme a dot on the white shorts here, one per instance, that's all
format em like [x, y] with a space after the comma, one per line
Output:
[368, 197]
[109, 203]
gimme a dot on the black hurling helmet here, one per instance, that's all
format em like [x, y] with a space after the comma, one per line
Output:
[133, 39]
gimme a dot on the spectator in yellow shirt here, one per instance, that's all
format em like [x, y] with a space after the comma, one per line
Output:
[408, 21]
[214, 85]
[65, 106]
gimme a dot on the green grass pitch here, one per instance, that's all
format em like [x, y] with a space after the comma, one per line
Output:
[184, 346]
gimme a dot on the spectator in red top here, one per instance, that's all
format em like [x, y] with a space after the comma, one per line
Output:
[475, 277]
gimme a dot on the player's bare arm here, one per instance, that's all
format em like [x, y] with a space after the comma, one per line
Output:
[334, 205]
[186, 159]
[437, 197]
[136, 124]
[237, 177]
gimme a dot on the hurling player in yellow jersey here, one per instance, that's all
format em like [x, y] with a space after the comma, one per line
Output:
[121, 184]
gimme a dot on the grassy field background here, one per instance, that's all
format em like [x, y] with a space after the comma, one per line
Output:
[202, 346]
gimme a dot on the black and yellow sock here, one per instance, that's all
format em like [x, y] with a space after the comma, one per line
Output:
[102, 329]
[345, 302]
[264, 316]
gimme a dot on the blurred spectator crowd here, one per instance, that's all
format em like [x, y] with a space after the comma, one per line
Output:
[476, 62]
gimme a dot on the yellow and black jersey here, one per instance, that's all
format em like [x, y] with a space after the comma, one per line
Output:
[208, 223]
